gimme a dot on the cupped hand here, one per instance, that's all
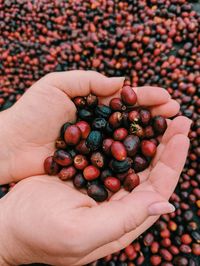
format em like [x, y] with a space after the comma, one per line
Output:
[46, 220]
[31, 126]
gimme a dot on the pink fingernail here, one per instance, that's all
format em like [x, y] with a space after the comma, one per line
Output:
[159, 208]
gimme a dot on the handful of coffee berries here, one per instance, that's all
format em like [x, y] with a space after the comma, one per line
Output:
[107, 146]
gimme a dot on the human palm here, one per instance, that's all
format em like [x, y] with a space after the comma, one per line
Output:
[74, 229]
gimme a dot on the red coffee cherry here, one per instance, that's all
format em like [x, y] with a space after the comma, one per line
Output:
[148, 148]
[80, 162]
[128, 95]
[72, 135]
[85, 128]
[50, 166]
[118, 151]
[131, 181]
[67, 173]
[120, 134]
[63, 157]
[112, 183]
[91, 172]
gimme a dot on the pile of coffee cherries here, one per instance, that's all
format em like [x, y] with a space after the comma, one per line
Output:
[107, 146]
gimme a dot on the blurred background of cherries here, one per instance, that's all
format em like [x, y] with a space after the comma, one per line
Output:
[154, 42]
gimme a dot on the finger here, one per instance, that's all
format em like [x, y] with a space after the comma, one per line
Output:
[146, 96]
[81, 83]
[164, 176]
[169, 109]
[115, 218]
[179, 125]
[119, 244]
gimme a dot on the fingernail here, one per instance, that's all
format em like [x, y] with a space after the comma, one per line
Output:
[159, 208]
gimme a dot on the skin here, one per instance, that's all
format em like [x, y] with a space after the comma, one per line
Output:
[43, 219]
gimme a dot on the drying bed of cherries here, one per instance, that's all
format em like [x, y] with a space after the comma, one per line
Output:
[107, 146]
[155, 42]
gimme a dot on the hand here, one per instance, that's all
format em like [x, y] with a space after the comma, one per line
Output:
[30, 127]
[46, 220]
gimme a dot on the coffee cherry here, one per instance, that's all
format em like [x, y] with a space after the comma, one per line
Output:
[140, 163]
[128, 95]
[134, 116]
[85, 114]
[92, 100]
[72, 135]
[105, 173]
[94, 140]
[99, 123]
[148, 148]
[120, 166]
[120, 134]
[107, 146]
[82, 148]
[108, 129]
[115, 120]
[85, 128]
[63, 157]
[97, 192]
[118, 151]
[72, 151]
[103, 111]
[67, 173]
[97, 159]
[79, 181]
[112, 183]
[155, 260]
[132, 144]
[148, 132]
[60, 144]
[145, 117]
[79, 101]
[116, 104]
[63, 128]
[50, 166]
[165, 254]
[91, 172]
[159, 124]
[122, 176]
[137, 130]
[80, 162]
[131, 181]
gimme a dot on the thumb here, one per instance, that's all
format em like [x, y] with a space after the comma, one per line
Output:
[110, 221]
[81, 83]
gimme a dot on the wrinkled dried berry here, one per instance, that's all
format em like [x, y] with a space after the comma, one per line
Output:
[98, 159]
